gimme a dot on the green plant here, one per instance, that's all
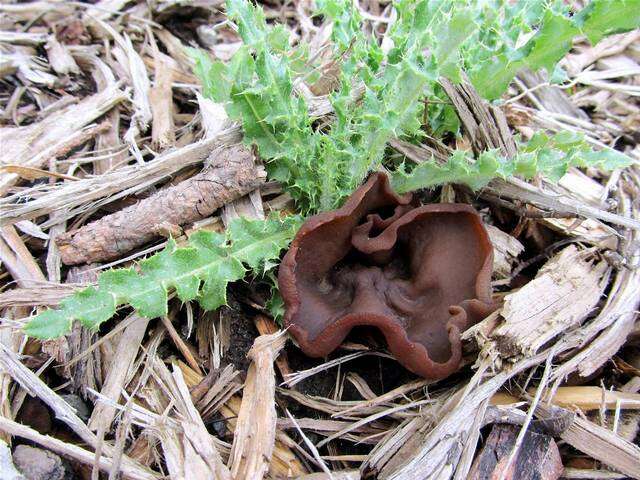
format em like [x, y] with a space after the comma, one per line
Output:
[199, 271]
[431, 39]
[542, 155]
[321, 163]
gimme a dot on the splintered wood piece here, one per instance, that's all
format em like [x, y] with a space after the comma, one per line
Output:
[266, 326]
[340, 475]
[123, 359]
[59, 57]
[505, 251]
[198, 445]
[575, 63]
[564, 292]
[161, 98]
[254, 436]
[17, 259]
[34, 145]
[538, 457]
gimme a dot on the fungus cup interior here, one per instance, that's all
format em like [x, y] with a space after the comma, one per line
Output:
[420, 274]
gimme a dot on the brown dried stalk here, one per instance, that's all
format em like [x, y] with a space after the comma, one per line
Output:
[231, 175]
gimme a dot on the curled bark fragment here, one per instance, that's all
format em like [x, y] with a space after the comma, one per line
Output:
[420, 274]
[538, 457]
[231, 175]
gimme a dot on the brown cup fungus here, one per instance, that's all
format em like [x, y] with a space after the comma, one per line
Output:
[419, 274]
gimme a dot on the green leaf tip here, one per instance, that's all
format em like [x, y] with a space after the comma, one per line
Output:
[549, 156]
[200, 271]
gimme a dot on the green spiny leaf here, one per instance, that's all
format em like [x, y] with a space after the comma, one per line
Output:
[450, 36]
[49, 324]
[200, 270]
[552, 42]
[250, 19]
[214, 75]
[604, 17]
[547, 156]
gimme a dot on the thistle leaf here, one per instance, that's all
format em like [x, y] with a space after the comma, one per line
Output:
[552, 41]
[199, 271]
[494, 58]
[543, 155]
[605, 17]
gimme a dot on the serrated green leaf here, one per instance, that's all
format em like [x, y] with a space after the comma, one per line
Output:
[451, 34]
[493, 78]
[90, 306]
[148, 298]
[552, 42]
[49, 324]
[214, 75]
[275, 304]
[200, 270]
[605, 17]
[250, 19]
[543, 155]
[493, 56]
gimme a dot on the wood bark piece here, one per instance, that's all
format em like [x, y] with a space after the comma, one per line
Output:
[564, 292]
[557, 202]
[339, 475]
[486, 124]
[198, 444]
[550, 97]
[42, 295]
[254, 436]
[249, 206]
[231, 175]
[538, 457]
[59, 57]
[597, 442]
[580, 186]
[17, 259]
[582, 397]
[575, 63]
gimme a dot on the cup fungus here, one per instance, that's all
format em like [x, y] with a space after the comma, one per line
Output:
[419, 274]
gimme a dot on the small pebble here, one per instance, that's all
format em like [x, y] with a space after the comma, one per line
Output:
[38, 464]
[82, 410]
